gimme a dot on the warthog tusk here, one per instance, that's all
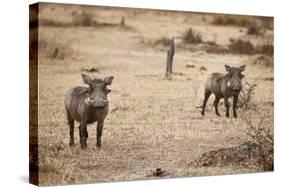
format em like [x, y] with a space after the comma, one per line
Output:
[88, 100]
[228, 83]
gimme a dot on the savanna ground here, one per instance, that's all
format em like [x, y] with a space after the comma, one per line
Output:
[153, 122]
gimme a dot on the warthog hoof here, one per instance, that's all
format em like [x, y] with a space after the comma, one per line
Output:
[98, 145]
[83, 145]
[71, 144]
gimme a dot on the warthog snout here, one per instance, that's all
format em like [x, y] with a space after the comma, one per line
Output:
[235, 85]
[97, 102]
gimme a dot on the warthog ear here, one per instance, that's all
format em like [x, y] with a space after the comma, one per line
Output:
[86, 79]
[108, 80]
[108, 91]
[242, 68]
[227, 68]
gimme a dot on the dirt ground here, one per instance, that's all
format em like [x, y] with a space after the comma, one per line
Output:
[153, 122]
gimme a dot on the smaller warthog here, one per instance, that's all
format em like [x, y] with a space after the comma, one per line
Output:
[224, 86]
[87, 105]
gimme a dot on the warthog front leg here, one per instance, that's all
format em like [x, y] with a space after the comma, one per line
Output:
[71, 132]
[235, 100]
[226, 106]
[83, 135]
[99, 133]
[216, 102]
[70, 122]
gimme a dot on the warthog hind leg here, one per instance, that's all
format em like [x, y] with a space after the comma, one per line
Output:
[206, 97]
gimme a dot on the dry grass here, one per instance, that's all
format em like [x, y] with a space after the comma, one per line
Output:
[83, 19]
[53, 47]
[267, 22]
[164, 41]
[266, 47]
[247, 47]
[234, 20]
[263, 60]
[241, 47]
[254, 30]
[153, 123]
[191, 37]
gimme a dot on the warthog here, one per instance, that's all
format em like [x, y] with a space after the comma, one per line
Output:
[87, 105]
[224, 86]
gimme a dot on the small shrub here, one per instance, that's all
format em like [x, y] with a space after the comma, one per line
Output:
[192, 37]
[253, 30]
[246, 95]
[224, 20]
[261, 133]
[216, 49]
[241, 47]
[211, 43]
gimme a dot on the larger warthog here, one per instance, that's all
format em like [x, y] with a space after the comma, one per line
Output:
[224, 86]
[87, 105]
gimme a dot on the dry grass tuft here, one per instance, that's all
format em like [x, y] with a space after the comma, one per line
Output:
[254, 30]
[191, 37]
[164, 41]
[263, 60]
[92, 69]
[234, 20]
[83, 19]
[241, 47]
[266, 47]
[216, 49]
[53, 23]
[189, 65]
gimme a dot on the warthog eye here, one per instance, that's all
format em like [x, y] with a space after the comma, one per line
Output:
[92, 86]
